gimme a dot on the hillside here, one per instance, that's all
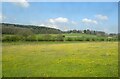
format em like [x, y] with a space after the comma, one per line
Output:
[8, 28]
[13, 28]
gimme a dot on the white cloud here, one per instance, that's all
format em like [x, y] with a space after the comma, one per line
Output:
[48, 25]
[22, 3]
[51, 20]
[89, 21]
[58, 20]
[52, 26]
[42, 25]
[73, 22]
[2, 17]
[101, 17]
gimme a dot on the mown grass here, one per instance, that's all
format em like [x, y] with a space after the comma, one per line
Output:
[80, 59]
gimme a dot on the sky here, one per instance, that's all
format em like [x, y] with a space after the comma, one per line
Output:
[100, 16]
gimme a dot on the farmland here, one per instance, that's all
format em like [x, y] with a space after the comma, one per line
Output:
[60, 59]
[16, 32]
[32, 51]
[59, 39]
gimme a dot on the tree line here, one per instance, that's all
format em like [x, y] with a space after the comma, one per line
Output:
[49, 37]
[15, 32]
[14, 28]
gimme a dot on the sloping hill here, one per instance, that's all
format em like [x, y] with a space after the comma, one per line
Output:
[13, 28]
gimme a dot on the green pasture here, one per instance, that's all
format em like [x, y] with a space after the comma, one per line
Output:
[60, 59]
[72, 35]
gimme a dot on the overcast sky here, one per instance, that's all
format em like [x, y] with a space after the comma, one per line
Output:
[101, 16]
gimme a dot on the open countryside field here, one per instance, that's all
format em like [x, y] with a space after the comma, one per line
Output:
[58, 37]
[73, 35]
[60, 59]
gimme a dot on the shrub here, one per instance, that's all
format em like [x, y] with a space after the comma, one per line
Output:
[31, 38]
[40, 39]
[87, 39]
[11, 38]
[109, 39]
[59, 37]
[115, 39]
[53, 38]
[93, 39]
[5, 38]
[46, 37]
[69, 39]
[79, 39]
[102, 39]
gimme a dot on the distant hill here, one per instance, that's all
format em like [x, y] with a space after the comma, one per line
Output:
[8, 28]
[13, 28]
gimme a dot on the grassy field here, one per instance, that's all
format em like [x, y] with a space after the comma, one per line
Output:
[74, 35]
[0, 65]
[57, 37]
[54, 59]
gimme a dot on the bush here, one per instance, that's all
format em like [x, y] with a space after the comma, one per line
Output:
[69, 39]
[115, 39]
[60, 37]
[40, 39]
[6, 38]
[46, 37]
[79, 39]
[31, 38]
[102, 39]
[11, 38]
[93, 39]
[119, 37]
[112, 39]
[109, 39]
[87, 39]
[53, 38]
